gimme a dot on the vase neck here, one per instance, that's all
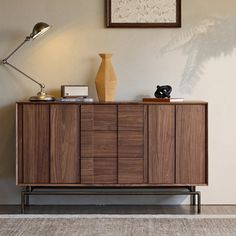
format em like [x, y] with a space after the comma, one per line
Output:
[105, 55]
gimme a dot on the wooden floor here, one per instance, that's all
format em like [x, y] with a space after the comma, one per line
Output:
[121, 209]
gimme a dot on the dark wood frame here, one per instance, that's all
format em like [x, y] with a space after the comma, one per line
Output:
[110, 24]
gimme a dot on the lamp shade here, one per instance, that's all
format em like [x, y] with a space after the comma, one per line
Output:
[39, 29]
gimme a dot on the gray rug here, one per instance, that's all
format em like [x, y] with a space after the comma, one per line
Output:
[117, 225]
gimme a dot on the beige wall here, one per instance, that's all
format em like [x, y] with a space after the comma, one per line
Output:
[198, 60]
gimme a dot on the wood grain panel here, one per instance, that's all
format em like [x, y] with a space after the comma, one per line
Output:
[19, 144]
[130, 117]
[131, 171]
[161, 144]
[130, 144]
[145, 139]
[191, 144]
[65, 144]
[99, 144]
[98, 171]
[99, 117]
[36, 143]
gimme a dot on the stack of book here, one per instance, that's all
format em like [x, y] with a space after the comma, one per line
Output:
[163, 99]
[78, 99]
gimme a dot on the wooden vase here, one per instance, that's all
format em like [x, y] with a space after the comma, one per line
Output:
[106, 79]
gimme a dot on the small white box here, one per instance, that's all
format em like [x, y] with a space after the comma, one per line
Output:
[74, 91]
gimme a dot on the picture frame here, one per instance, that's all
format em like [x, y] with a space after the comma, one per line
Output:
[149, 14]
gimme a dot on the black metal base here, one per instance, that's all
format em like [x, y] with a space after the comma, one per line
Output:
[188, 191]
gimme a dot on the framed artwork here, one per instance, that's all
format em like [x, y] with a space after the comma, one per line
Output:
[143, 13]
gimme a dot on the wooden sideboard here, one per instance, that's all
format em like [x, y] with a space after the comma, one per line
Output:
[112, 144]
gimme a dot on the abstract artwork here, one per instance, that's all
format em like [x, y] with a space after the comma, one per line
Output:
[143, 13]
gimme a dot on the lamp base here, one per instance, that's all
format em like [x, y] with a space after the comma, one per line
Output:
[42, 97]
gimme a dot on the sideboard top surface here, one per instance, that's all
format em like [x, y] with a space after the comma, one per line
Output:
[117, 103]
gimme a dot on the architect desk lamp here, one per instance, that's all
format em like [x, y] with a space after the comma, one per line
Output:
[39, 29]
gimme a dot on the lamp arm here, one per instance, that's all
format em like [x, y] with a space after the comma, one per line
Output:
[5, 62]
[26, 40]
[42, 86]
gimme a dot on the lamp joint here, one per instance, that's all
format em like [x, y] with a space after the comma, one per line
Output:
[4, 61]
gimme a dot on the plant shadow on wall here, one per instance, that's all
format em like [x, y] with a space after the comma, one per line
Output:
[211, 38]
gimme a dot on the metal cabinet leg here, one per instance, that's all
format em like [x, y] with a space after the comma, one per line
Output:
[27, 196]
[193, 197]
[199, 202]
[22, 202]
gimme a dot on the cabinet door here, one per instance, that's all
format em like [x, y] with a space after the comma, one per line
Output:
[65, 144]
[131, 145]
[161, 139]
[35, 143]
[99, 144]
[191, 156]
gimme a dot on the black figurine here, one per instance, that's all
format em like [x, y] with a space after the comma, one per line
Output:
[163, 91]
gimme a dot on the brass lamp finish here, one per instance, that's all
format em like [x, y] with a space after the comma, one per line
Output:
[41, 96]
[39, 29]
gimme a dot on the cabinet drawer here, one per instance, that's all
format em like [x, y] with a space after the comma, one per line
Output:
[130, 171]
[130, 144]
[99, 144]
[98, 117]
[130, 117]
[98, 171]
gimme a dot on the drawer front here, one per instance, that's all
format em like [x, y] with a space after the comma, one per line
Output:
[99, 117]
[130, 117]
[130, 144]
[131, 171]
[98, 171]
[99, 144]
